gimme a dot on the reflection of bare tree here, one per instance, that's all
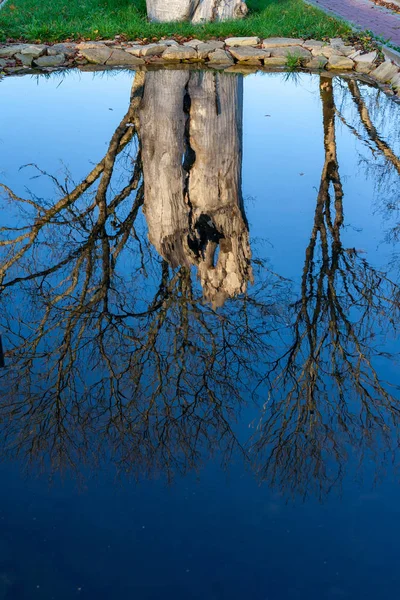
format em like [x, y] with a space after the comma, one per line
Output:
[391, 160]
[381, 164]
[370, 128]
[112, 353]
[194, 206]
[326, 395]
[109, 348]
[63, 212]
[159, 388]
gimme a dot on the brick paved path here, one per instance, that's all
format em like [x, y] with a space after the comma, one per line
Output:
[366, 15]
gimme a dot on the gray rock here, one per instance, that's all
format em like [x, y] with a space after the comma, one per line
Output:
[69, 50]
[170, 42]
[336, 42]
[364, 67]
[275, 61]
[119, 58]
[10, 62]
[203, 50]
[297, 51]
[193, 43]
[3, 63]
[97, 55]
[365, 62]
[326, 51]
[395, 81]
[310, 44]
[9, 51]
[50, 61]
[340, 63]
[220, 57]
[347, 50]
[216, 44]
[152, 49]
[158, 60]
[385, 72]
[177, 53]
[354, 54]
[280, 42]
[246, 54]
[12, 70]
[136, 49]
[26, 59]
[317, 63]
[367, 58]
[101, 55]
[90, 45]
[242, 41]
[34, 50]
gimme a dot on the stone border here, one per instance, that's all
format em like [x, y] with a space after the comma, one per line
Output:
[240, 54]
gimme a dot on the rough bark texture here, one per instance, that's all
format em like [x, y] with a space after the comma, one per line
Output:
[162, 134]
[215, 186]
[191, 137]
[196, 11]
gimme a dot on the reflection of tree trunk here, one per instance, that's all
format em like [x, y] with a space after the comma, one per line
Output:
[195, 10]
[214, 187]
[191, 139]
[162, 132]
[329, 176]
[324, 227]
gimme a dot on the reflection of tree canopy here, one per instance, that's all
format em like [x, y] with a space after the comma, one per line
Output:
[110, 347]
[370, 113]
[331, 398]
[111, 343]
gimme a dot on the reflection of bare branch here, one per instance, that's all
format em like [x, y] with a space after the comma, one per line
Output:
[369, 126]
[384, 169]
[112, 353]
[325, 393]
[21, 244]
[158, 389]
[111, 350]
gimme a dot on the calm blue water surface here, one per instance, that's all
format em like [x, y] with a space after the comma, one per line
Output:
[200, 395]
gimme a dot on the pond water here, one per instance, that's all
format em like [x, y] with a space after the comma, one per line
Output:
[199, 319]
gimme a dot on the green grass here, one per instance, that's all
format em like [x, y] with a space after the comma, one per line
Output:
[293, 62]
[57, 20]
